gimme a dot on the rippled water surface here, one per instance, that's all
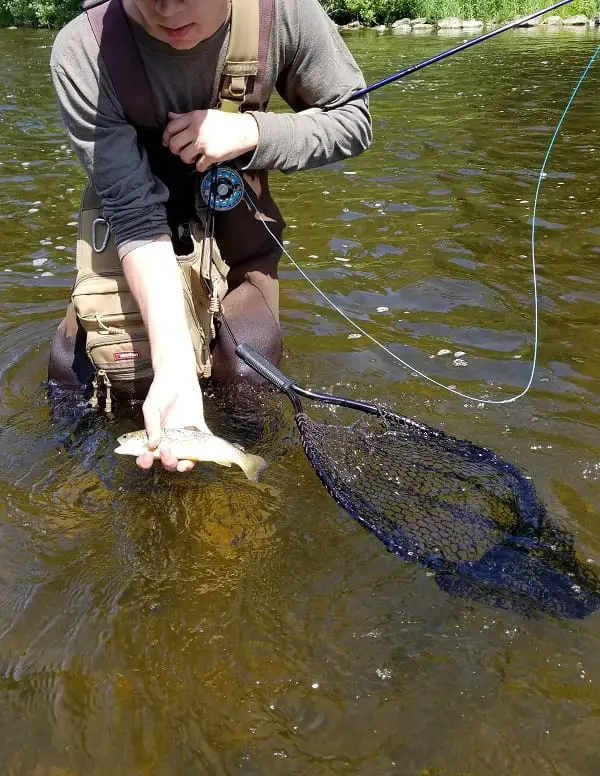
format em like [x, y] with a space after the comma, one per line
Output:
[152, 624]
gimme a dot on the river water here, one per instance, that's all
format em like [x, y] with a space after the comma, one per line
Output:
[161, 625]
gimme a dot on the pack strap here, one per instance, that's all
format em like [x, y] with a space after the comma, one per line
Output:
[256, 99]
[241, 62]
[120, 53]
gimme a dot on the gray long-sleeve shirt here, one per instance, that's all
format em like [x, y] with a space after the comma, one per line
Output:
[307, 63]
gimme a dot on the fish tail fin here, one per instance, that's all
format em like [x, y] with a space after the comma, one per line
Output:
[253, 466]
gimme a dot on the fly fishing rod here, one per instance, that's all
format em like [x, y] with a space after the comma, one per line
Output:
[449, 52]
[222, 186]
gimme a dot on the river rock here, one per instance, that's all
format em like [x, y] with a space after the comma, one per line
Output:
[554, 21]
[450, 23]
[401, 29]
[576, 21]
[381, 28]
[356, 25]
[597, 19]
[12, 28]
[401, 23]
[422, 27]
[532, 22]
[472, 24]
[419, 21]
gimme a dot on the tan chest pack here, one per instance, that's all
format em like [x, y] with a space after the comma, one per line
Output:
[117, 342]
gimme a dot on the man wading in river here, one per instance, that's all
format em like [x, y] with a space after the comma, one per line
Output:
[153, 93]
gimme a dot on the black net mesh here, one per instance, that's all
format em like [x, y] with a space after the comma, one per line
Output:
[455, 508]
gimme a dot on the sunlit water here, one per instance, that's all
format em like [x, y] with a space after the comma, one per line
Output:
[163, 625]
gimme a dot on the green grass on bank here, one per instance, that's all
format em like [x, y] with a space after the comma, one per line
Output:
[55, 13]
[38, 13]
[387, 11]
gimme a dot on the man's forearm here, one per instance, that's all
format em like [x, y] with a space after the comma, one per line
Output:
[154, 279]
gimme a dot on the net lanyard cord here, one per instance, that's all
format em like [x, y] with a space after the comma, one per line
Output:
[346, 317]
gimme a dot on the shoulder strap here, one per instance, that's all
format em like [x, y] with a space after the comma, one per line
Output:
[120, 53]
[245, 62]
[243, 72]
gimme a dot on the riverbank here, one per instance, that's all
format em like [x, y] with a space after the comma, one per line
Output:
[350, 14]
[425, 24]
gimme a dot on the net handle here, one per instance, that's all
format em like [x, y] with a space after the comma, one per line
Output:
[271, 373]
[264, 367]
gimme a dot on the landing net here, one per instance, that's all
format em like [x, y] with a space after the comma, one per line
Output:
[455, 508]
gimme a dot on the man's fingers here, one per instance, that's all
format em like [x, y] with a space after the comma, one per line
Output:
[204, 162]
[181, 140]
[176, 125]
[189, 154]
[152, 423]
[168, 460]
[145, 460]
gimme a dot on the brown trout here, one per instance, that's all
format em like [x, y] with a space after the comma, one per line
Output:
[194, 445]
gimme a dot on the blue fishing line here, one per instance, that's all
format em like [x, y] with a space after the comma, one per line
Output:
[380, 345]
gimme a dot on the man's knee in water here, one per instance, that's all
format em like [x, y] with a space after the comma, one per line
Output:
[228, 368]
[68, 364]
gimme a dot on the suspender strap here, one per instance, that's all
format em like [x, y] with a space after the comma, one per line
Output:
[120, 53]
[243, 74]
[256, 99]
[241, 62]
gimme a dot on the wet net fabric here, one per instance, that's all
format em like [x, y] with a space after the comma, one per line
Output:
[455, 508]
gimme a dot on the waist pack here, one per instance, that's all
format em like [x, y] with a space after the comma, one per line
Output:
[117, 341]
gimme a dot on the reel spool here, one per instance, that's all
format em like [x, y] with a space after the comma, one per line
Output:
[226, 192]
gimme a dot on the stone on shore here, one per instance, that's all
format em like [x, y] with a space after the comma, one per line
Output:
[450, 23]
[532, 22]
[419, 21]
[401, 27]
[401, 23]
[472, 24]
[576, 21]
[554, 21]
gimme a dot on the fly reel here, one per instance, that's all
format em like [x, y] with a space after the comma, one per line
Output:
[222, 188]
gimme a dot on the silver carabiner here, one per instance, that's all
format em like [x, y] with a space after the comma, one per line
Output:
[104, 243]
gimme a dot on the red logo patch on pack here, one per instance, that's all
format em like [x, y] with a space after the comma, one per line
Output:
[126, 355]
